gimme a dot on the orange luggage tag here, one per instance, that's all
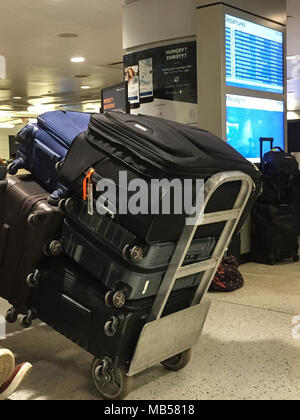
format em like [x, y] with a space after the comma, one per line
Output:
[88, 193]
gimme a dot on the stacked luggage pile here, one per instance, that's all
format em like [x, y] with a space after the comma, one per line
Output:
[274, 227]
[101, 279]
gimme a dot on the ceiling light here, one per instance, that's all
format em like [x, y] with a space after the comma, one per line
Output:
[292, 57]
[17, 97]
[81, 76]
[68, 35]
[78, 60]
[85, 87]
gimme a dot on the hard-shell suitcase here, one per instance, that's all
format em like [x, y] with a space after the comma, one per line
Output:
[149, 148]
[131, 281]
[46, 143]
[274, 235]
[70, 300]
[29, 230]
[120, 241]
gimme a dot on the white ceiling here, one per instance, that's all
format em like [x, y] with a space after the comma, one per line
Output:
[38, 60]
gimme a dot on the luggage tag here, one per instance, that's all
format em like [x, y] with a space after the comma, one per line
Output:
[88, 192]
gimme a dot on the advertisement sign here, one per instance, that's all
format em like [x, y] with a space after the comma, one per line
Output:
[164, 82]
[115, 98]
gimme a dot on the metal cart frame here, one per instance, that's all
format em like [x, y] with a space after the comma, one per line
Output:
[181, 331]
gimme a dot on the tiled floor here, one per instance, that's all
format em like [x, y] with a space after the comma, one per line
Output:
[246, 351]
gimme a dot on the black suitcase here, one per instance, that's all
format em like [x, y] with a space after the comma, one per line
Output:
[294, 199]
[132, 281]
[30, 229]
[70, 300]
[152, 148]
[274, 236]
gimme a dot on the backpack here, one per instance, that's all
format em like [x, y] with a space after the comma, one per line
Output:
[228, 277]
[279, 169]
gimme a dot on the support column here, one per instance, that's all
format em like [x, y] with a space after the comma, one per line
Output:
[212, 86]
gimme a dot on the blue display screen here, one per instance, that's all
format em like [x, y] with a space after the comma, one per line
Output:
[248, 119]
[254, 56]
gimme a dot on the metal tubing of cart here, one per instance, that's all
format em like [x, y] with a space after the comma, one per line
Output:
[162, 338]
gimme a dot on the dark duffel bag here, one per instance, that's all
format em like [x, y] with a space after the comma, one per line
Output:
[274, 234]
[30, 230]
[151, 148]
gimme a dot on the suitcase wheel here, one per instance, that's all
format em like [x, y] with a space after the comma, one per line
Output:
[296, 258]
[112, 383]
[116, 299]
[33, 279]
[12, 169]
[58, 166]
[53, 249]
[26, 321]
[36, 218]
[68, 205]
[134, 254]
[12, 315]
[111, 326]
[178, 362]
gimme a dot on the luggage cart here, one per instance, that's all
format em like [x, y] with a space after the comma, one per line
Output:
[180, 331]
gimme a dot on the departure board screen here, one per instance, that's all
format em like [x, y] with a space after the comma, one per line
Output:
[254, 56]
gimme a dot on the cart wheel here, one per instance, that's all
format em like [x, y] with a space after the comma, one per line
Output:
[296, 258]
[111, 383]
[11, 316]
[178, 362]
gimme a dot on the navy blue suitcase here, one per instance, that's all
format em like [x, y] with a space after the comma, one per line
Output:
[46, 143]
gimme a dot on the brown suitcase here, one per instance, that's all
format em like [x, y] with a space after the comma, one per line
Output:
[29, 231]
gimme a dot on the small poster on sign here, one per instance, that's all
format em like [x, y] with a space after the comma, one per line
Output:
[132, 77]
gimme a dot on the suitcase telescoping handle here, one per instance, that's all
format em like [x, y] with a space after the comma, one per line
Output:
[262, 141]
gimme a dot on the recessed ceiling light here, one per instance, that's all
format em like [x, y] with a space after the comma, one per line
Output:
[85, 87]
[78, 60]
[68, 35]
[81, 76]
[17, 97]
